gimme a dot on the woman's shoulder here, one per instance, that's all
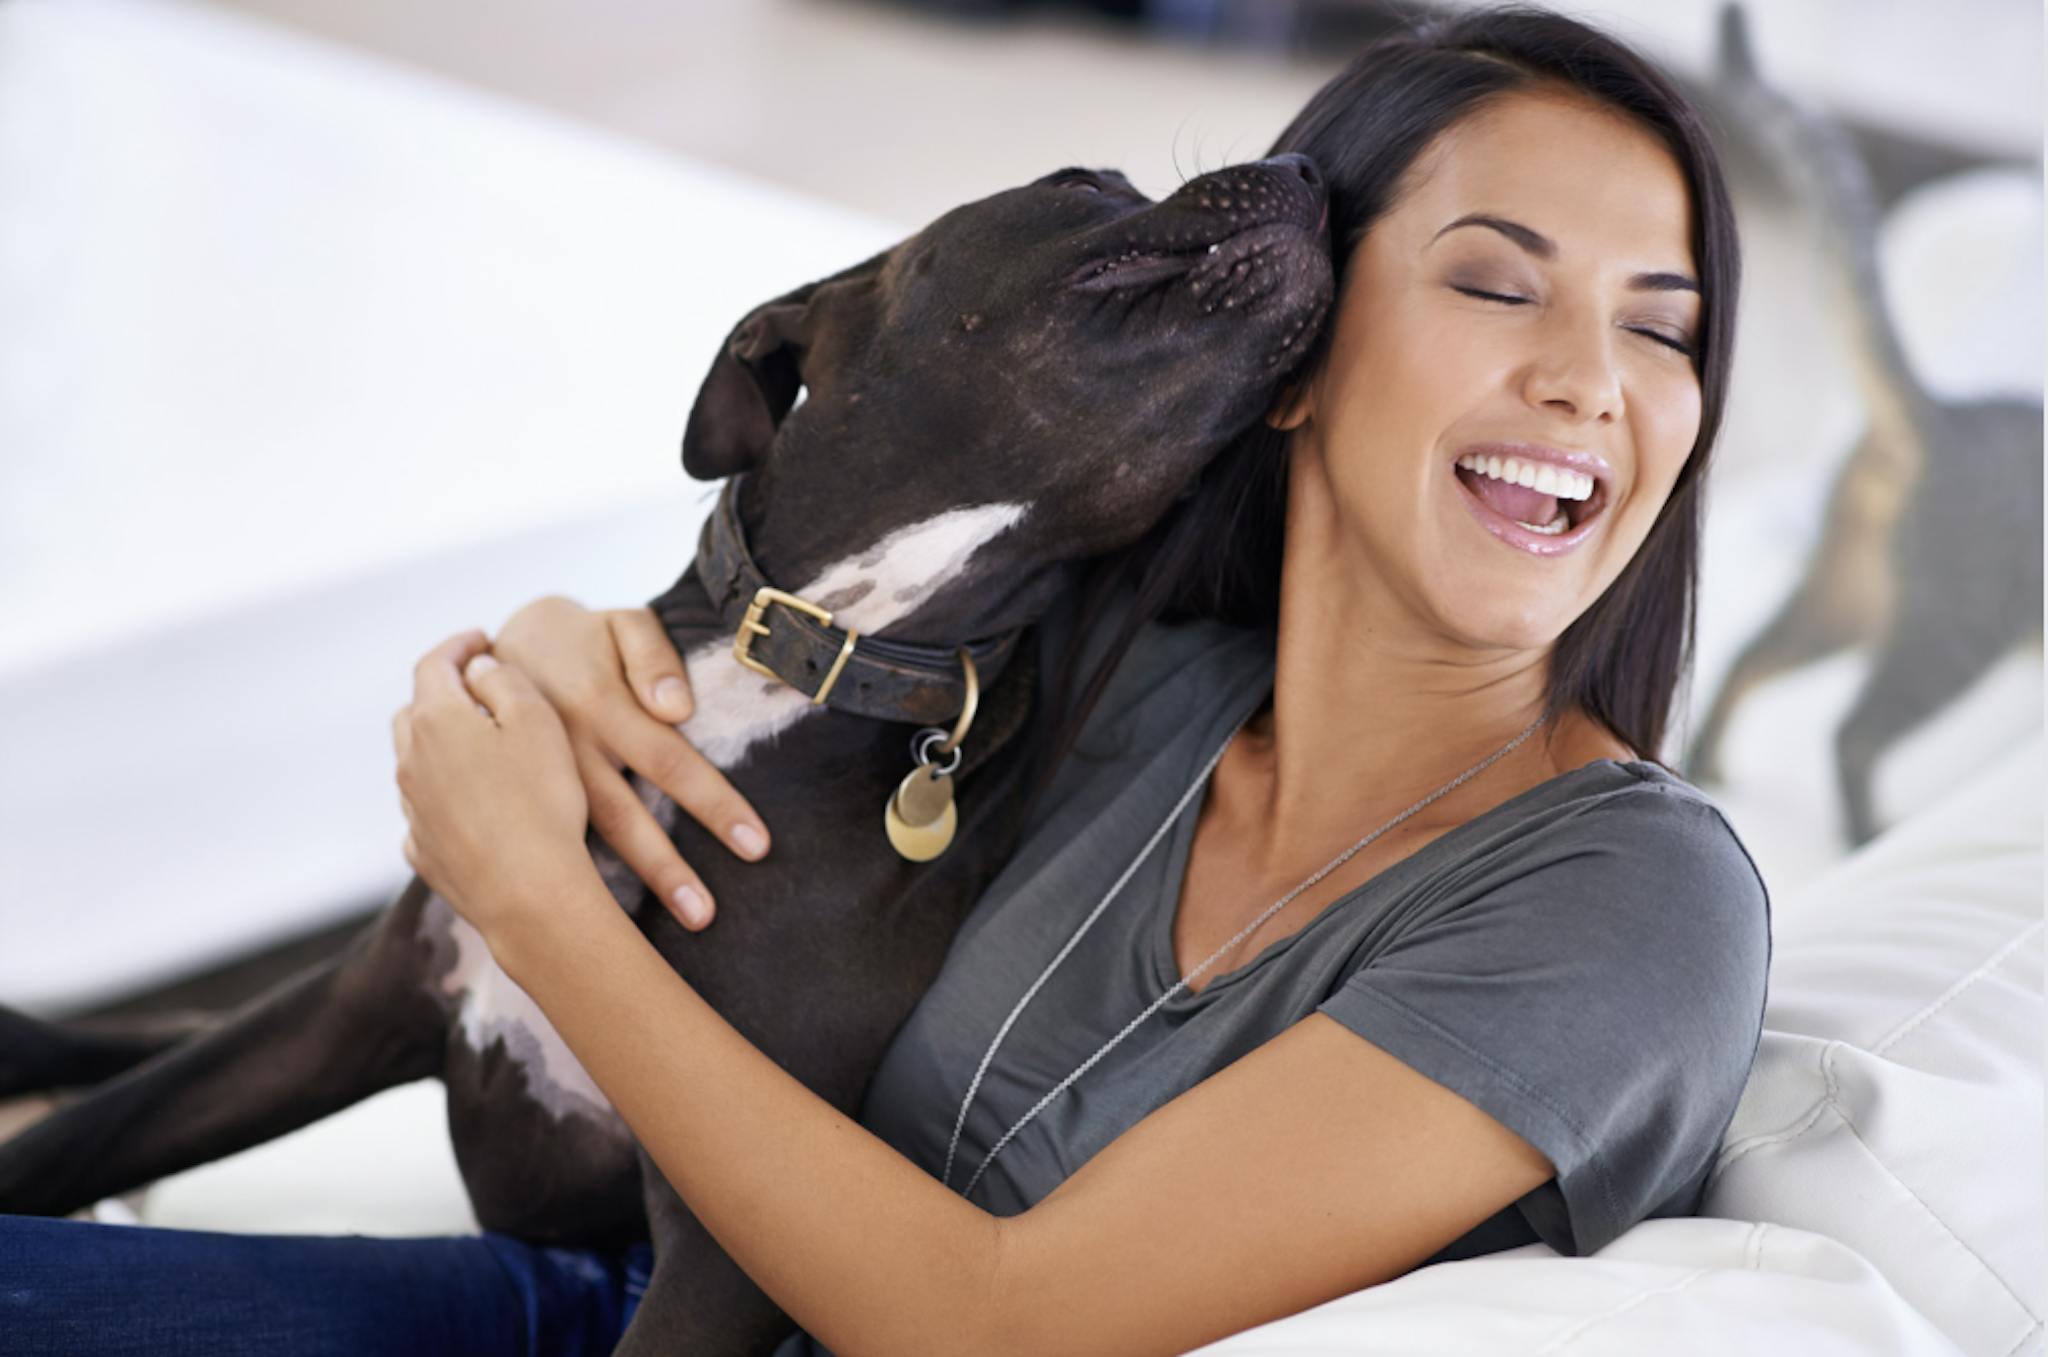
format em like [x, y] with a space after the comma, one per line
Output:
[1641, 831]
[1172, 681]
[1191, 654]
[1642, 797]
[1658, 795]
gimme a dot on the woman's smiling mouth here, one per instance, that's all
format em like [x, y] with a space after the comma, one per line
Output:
[1545, 504]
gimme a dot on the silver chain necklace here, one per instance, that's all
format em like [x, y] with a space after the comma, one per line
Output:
[946, 1176]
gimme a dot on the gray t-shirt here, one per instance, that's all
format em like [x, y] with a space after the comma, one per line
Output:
[1585, 962]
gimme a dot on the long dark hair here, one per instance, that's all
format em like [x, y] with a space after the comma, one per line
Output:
[1217, 554]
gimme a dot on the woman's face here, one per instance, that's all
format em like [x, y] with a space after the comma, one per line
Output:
[1581, 360]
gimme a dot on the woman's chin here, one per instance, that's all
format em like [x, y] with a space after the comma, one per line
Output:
[1492, 618]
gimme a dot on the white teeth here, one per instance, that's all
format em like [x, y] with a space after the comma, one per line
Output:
[1557, 525]
[1540, 476]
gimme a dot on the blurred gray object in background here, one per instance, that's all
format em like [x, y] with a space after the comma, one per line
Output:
[1930, 549]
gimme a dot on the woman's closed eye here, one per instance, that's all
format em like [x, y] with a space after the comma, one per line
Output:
[1662, 338]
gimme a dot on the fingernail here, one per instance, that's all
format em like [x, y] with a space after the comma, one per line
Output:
[669, 693]
[749, 839]
[696, 910]
[480, 663]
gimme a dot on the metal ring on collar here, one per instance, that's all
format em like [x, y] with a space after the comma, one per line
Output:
[921, 749]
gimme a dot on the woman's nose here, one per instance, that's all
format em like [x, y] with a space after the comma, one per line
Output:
[1575, 368]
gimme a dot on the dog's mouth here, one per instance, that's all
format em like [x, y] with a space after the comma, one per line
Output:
[1206, 264]
[1215, 232]
[1132, 268]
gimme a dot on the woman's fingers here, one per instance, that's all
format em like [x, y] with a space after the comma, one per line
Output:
[437, 676]
[656, 675]
[625, 824]
[653, 668]
[662, 756]
[603, 672]
[565, 649]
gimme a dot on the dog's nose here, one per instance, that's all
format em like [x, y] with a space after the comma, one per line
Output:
[1302, 166]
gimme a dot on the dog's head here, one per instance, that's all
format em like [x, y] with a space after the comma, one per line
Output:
[1070, 345]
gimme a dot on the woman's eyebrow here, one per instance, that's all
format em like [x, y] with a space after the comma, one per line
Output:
[1543, 247]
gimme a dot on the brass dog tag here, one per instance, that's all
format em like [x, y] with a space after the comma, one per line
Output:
[924, 795]
[920, 818]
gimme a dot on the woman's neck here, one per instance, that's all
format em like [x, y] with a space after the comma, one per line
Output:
[1370, 713]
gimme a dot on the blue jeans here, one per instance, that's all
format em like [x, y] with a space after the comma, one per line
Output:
[80, 1288]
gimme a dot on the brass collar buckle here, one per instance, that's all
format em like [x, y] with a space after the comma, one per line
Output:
[873, 676]
[755, 624]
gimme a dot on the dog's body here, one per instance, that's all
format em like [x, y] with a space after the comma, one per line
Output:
[1930, 546]
[970, 437]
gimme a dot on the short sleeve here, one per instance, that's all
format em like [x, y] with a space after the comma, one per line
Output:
[1598, 987]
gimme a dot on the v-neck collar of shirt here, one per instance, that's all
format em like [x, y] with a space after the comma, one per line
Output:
[1166, 971]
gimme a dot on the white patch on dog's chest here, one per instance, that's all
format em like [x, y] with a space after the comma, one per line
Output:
[735, 709]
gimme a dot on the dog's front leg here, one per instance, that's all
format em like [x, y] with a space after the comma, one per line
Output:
[38, 1055]
[698, 1300]
[318, 1042]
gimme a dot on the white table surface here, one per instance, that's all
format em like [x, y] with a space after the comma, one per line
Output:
[308, 361]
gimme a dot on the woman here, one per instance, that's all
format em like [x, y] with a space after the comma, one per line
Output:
[1520, 1007]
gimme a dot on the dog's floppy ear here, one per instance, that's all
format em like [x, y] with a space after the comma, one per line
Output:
[754, 380]
[751, 385]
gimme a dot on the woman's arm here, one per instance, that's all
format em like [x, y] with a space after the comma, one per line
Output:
[1312, 1167]
[863, 1248]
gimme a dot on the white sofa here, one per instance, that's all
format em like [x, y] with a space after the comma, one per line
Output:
[392, 357]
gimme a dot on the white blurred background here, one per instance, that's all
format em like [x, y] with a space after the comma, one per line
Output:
[328, 330]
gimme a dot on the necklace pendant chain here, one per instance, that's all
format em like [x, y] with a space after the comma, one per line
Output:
[1172, 816]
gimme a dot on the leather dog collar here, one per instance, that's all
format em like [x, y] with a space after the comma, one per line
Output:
[793, 639]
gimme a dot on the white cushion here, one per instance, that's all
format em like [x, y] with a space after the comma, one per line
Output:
[1673, 1287]
[1896, 1104]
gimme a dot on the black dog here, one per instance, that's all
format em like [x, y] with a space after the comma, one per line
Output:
[1026, 383]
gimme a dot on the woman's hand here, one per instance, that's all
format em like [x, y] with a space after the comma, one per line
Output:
[489, 787]
[619, 687]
